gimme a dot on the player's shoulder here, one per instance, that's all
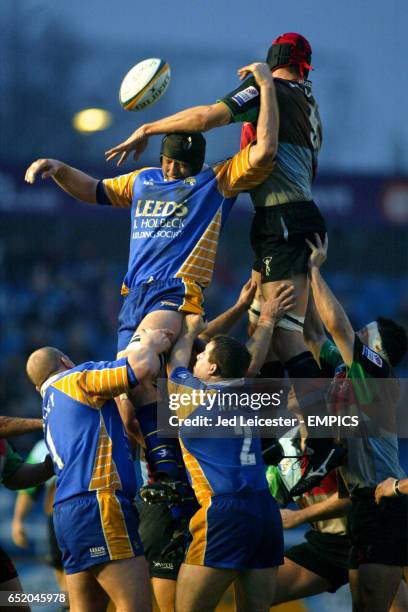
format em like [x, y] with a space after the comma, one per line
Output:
[373, 363]
[153, 171]
[183, 376]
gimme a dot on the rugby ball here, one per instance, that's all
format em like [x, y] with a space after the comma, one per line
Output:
[144, 84]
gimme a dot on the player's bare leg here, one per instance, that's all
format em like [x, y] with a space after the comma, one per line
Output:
[255, 589]
[304, 372]
[254, 311]
[164, 591]
[373, 587]
[163, 319]
[289, 343]
[85, 594]
[201, 588]
[295, 582]
[400, 602]
[159, 319]
[127, 583]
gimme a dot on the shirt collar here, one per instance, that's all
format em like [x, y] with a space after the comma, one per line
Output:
[49, 382]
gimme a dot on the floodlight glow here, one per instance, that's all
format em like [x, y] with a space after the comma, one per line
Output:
[92, 120]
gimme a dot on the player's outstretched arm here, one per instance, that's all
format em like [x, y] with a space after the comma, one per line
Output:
[193, 326]
[194, 119]
[78, 184]
[225, 321]
[267, 129]
[331, 312]
[330, 508]
[391, 487]
[313, 330]
[30, 475]
[16, 426]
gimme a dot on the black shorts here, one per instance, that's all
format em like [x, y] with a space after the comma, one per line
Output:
[278, 236]
[324, 554]
[156, 528]
[54, 557]
[378, 533]
[7, 569]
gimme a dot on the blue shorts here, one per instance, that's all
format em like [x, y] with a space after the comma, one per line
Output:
[96, 528]
[180, 295]
[237, 531]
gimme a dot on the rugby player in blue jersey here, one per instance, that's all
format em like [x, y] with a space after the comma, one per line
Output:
[177, 213]
[95, 521]
[237, 532]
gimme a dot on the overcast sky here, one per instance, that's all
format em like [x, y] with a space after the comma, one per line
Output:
[359, 55]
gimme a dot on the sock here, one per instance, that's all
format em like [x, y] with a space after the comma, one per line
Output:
[162, 454]
[310, 393]
[272, 369]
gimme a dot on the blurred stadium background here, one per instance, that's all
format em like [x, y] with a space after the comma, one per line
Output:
[61, 262]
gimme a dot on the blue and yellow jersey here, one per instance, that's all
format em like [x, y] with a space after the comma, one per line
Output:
[215, 466]
[176, 225]
[84, 432]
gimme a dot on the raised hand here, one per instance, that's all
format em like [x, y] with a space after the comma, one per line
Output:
[137, 142]
[45, 167]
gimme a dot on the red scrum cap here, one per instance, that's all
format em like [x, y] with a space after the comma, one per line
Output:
[291, 49]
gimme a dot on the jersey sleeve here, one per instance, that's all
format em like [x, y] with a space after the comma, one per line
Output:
[330, 354]
[243, 102]
[370, 361]
[96, 382]
[118, 191]
[183, 388]
[237, 174]
[37, 455]
[13, 461]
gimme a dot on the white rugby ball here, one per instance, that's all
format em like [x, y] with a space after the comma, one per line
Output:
[144, 84]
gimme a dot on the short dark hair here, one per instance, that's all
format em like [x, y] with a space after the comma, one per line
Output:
[394, 339]
[231, 357]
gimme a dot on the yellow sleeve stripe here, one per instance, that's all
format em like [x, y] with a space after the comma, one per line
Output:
[94, 387]
[119, 189]
[237, 174]
[198, 262]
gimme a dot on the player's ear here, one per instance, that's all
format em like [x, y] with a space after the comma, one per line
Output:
[213, 369]
[66, 361]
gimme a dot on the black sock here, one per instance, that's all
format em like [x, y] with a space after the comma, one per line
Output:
[308, 384]
[163, 455]
[302, 366]
[272, 369]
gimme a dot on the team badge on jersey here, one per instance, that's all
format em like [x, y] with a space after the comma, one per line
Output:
[245, 95]
[372, 356]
